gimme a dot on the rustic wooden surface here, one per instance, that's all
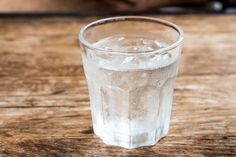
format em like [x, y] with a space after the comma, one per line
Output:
[44, 105]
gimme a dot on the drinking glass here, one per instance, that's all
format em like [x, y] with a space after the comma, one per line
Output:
[131, 64]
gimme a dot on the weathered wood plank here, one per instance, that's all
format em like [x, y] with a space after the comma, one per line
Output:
[68, 130]
[42, 86]
[191, 24]
[62, 91]
[203, 120]
[69, 64]
[55, 44]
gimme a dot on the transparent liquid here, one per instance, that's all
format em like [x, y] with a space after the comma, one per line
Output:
[131, 97]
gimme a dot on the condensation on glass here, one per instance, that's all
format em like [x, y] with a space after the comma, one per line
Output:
[131, 65]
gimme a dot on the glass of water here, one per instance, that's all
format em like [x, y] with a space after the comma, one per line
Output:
[131, 65]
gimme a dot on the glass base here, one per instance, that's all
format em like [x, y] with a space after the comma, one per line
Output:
[129, 142]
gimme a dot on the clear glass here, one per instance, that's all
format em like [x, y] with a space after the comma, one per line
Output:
[131, 64]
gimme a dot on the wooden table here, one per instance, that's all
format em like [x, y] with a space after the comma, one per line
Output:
[44, 104]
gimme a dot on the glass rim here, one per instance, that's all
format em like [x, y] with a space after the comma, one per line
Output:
[126, 18]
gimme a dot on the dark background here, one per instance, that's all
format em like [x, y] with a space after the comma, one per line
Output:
[114, 7]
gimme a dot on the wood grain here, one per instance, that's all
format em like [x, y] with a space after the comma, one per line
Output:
[44, 104]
